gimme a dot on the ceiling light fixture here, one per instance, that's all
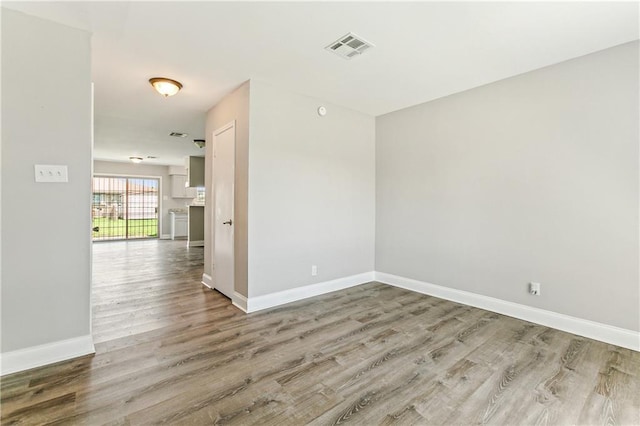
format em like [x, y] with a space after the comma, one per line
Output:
[165, 86]
[199, 143]
[136, 159]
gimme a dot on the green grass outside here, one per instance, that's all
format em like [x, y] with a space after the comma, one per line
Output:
[138, 228]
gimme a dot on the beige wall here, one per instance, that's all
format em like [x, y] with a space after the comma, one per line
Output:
[234, 106]
[149, 170]
[311, 191]
[46, 227]
[533, 178]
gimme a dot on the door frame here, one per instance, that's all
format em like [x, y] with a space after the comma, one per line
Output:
[126, 175]
[212, 216]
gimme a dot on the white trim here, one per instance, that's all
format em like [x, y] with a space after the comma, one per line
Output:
[266, 301]
[165, 236]
[90, 208]
[582, 327]
[239, 301]
[224, 128]
[198, 243]
[207, 281]
[37, 356]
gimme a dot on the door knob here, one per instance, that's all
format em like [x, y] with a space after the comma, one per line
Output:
[229, 222]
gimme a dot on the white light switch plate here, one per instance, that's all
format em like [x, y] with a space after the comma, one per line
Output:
[51, 173]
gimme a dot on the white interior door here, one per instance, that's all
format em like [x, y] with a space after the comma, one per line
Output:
[224, 152]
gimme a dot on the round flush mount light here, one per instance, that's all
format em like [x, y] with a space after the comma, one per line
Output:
[322, 111]
[136, 159]
[165, 86]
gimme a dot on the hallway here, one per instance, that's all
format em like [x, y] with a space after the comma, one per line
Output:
[143, 285]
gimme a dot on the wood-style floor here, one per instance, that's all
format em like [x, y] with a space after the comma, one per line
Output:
[170, 351]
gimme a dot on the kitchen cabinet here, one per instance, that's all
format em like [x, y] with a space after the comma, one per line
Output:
[195, 171]
[178, 189]
[179, 225]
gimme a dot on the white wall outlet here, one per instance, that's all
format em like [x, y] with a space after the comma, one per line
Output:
[51, 173]
[314, 270]
[534, 289]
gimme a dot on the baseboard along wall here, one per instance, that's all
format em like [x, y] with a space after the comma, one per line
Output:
[207, 281]
[239, 301]
[49, 353]
[258, 303]
[594, 330]
[37, 356]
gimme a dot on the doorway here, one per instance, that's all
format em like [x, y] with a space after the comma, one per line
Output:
[224, 155]
[124, 208]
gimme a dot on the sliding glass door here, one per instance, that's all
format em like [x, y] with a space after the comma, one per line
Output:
[125, 208]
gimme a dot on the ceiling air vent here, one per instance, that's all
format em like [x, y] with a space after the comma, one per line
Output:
[178, 134]
[349, 46]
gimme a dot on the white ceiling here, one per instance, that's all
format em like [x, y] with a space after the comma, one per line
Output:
[424, 50]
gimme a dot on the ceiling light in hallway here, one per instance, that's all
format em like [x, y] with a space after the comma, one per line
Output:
[165, 86]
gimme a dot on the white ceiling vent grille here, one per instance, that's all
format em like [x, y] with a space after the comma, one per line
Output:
[349, 46]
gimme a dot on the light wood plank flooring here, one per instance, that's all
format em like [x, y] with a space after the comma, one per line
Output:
[171, 351]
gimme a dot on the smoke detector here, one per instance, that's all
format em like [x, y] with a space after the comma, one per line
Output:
[349, 46]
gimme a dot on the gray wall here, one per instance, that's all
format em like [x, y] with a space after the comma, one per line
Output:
[46, 119]
[196, 223]
[533, 178]
[234, 106]
[311, 191]
[130, 169]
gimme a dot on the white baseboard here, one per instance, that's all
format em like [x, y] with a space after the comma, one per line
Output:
[582, 327]
[197, 243]
[239, 301]
[266, 301]
[37, 356]
[207, 280]
[165, 236]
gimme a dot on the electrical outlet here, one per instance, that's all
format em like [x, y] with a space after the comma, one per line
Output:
[534, 289]
[314, 270]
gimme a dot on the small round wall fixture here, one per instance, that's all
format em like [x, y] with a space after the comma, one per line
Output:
[322, 111]
[165, 86]
[136, 159]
